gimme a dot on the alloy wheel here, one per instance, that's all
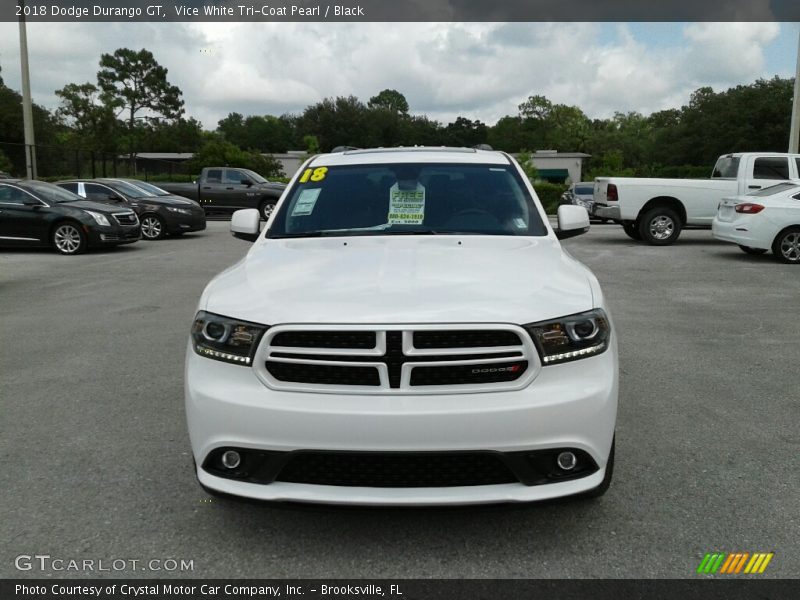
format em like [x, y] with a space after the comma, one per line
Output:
[67, 239]
[790, 247]
[151, 228]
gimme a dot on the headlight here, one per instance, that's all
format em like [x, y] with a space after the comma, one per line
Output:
[571, 338]
[99, 219]
[225, 339]
[184, 211]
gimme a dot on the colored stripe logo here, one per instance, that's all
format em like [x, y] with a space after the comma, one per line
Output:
[735, 563]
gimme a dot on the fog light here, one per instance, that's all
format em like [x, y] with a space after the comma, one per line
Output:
[231, 459]
[567, 461]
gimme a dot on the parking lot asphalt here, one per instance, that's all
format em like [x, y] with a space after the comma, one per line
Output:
[97, 465]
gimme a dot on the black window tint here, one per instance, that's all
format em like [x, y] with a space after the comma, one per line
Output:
[214, 176]
[233, 176]
[97, 191]
[797, 162]
[584, 190]
[774, 189]
[727, 166]
[11, 195]
[72, 187]
[771, 168]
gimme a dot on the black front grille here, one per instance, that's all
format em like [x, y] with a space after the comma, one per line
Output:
[397, 469]
[325, 339]
[125, 218]
[466, 338]
[323, 374]
[467, 374]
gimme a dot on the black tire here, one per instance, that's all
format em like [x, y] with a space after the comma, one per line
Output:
[753, 251]
[786, 246]
[606, 483]
[69, 238]
[266, 208]
[660, 226]
[632, 231]
[153, 227]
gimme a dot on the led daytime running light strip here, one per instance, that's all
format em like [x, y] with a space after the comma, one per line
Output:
[224, 355]
[574, 353]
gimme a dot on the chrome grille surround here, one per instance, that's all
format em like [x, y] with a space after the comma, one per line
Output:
[525, 352]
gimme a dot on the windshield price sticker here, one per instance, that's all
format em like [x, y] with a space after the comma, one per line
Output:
[306, 202]
[406, 207]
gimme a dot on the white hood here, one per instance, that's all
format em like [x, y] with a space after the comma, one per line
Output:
[408, 279]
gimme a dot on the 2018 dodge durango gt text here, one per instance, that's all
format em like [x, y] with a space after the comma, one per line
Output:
[407, 330]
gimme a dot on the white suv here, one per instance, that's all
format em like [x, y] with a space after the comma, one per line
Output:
[407, 330]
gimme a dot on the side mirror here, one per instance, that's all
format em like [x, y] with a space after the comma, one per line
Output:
[247, 182]
[28, 201]
[246, 224]
[115, 198]
[572, 220]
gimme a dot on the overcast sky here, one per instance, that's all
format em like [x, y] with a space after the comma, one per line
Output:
[480, 70]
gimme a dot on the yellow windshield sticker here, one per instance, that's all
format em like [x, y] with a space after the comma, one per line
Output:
[406, 207]
[317, 174]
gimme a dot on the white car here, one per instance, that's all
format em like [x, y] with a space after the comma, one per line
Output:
[765, 220]
[407, 330]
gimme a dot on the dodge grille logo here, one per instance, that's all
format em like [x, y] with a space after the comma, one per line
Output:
[511, 369]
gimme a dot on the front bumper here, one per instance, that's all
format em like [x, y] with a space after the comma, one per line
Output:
[183, 223]
[568, 405]
[603, 211]
[114, 235]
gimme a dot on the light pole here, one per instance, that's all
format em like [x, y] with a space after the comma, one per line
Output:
[794, 133]
[27, 109]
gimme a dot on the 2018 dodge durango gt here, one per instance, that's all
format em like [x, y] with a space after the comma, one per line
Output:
[406, 330]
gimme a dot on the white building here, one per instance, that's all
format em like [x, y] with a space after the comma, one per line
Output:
[558, 167]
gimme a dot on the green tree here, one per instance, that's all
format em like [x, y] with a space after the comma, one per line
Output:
[181, 135]
[465, 132]
[525, 160]
[5, 163]
[335, 122]
[92, 124]
[390, 100]
[311, 143]
[232, 128]
[220, 153]
[134, 83]
[508, 135]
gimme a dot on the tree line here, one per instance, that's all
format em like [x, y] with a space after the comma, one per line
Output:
[132, 107]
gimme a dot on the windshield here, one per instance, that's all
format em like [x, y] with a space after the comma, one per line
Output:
[254, 176]
[50, 192]
[395, 199]
[149, 188]
[130, 190]
[726, 167]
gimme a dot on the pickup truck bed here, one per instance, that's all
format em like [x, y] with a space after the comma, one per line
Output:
[655, 210]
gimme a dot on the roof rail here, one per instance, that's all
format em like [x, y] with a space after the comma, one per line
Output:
[482, 147]
[344, 148]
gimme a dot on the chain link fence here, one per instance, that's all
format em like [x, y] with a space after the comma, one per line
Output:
[55, 162]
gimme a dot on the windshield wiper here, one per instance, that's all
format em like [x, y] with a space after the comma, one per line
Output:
[414, 232]
[300, 234]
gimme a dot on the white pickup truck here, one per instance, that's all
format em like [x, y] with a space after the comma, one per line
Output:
[655, 210]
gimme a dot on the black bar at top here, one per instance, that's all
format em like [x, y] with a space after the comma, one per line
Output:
[401, 10]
